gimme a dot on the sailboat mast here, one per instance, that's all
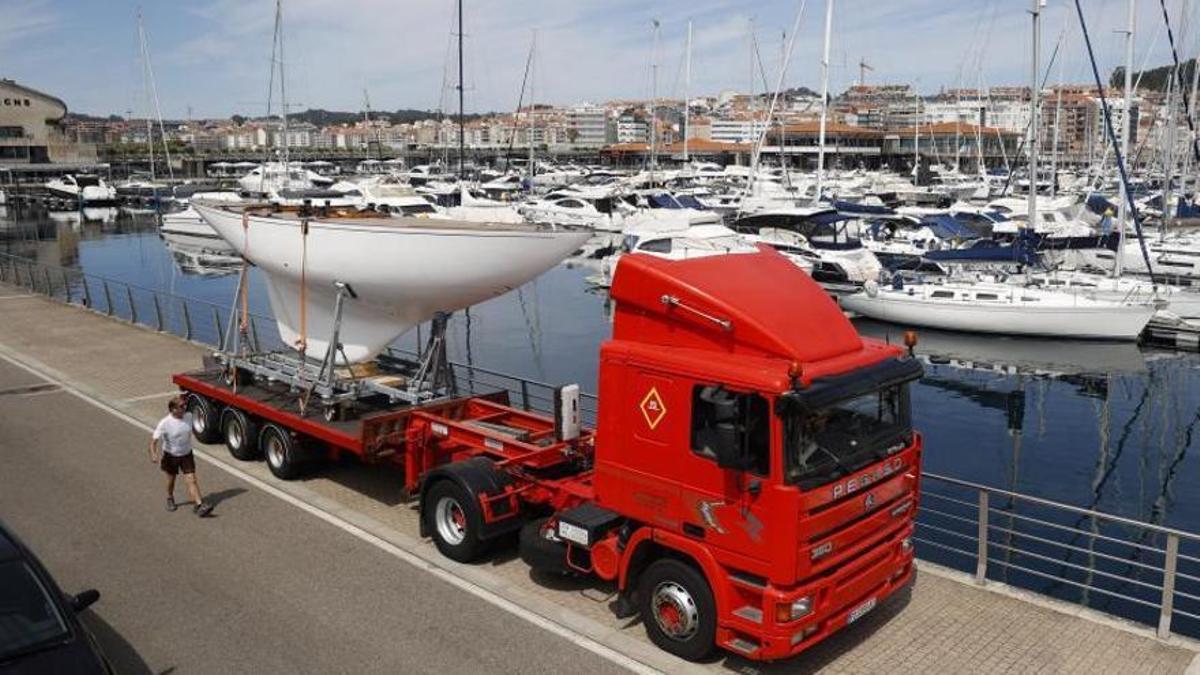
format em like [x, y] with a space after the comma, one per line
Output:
[687, 83]
[824, 99]
[532, 102]
[654, 102]
[146, 86]
[1122, 207]
[1034, 103]
[461, 126]
[282, 86]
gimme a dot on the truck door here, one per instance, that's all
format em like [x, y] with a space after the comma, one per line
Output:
[728, 507]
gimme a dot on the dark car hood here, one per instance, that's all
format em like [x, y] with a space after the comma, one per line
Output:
[71, 657]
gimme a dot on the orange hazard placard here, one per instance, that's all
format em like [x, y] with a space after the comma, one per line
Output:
[653, 408]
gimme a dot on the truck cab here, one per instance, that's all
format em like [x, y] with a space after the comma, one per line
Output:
[749, 437]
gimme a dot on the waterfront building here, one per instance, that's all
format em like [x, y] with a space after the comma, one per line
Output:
[30, 131]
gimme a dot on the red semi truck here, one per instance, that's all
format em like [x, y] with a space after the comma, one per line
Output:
[750, 485]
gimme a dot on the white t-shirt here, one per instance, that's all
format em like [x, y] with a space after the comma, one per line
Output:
[176, 434]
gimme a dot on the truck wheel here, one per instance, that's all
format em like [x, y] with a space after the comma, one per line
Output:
[205, 418]
[677, 608]
[281, 451]
[541, 552]
[240, 433]
[452, 515]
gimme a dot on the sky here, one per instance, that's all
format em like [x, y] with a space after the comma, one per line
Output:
[212, 58]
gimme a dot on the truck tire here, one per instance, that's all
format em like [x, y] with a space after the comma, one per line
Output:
[678, 609]
[453, 519]
[240, 434]
[281, 451]
[541, 553]
[206, 418]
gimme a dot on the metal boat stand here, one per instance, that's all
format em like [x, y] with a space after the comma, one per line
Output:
[336, 388]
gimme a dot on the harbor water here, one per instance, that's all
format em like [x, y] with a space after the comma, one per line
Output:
[1110, 427]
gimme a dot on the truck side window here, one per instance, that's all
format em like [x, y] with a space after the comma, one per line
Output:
[752, 419]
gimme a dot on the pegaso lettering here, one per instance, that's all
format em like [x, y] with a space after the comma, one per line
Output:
[862, 481]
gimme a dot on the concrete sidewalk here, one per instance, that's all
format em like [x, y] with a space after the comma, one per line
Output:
[944, 625]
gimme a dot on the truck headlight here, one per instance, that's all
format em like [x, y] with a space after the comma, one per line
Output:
[798, 609]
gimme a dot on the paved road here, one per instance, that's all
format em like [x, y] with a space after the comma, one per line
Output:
[261, 587]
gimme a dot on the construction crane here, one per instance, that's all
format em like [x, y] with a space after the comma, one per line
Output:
[863, 67]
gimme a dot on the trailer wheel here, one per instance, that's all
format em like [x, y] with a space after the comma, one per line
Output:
[205, 418]
[452, 515]
[541, 550]
[677, 608]
[281, 451]
[240, 433]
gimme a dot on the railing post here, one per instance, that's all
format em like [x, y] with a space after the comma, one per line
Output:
[981, 556]
[66, 285]
[217, 328]
[187, 321]
[525, 394]
[87, 292]
[1167, 606]
[132, 308]
[49, 283]
[157, 313]
[107, 299]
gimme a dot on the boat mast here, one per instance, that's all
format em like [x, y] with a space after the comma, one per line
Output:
[1122, 207]
[824, 101]
[654, 102]
[916, 172]
[152, 92]
[461, 126]
[532, 102]
[1034, 96]
[283, 102]
[146, 86]
[687, 82]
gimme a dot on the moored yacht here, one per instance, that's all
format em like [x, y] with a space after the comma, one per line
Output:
[83, 188]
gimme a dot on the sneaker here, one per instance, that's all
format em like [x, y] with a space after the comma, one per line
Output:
[171, 504]
[202, 509]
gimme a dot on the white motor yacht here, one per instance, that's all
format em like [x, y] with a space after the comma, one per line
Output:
[187, 230]
[83, 188]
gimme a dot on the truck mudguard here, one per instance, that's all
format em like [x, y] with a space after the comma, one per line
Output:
[478, 476]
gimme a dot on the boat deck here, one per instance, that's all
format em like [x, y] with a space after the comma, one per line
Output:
[946, 624]
[348, 216]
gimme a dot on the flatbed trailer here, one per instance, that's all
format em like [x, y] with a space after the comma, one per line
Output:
[750, 485]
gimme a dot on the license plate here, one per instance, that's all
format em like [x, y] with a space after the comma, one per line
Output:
[858, 612]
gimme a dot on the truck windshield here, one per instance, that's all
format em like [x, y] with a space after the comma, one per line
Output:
[831, 442]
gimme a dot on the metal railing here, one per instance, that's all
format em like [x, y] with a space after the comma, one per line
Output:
[1137, 570]
[189, 318]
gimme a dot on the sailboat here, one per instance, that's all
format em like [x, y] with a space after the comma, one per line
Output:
[402, 270]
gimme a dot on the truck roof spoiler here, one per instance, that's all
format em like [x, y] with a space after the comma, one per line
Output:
[824, 391]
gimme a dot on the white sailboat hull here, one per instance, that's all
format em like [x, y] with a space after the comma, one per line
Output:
[403, 270]
[1092, 320]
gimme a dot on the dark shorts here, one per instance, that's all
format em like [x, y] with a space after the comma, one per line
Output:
[175, 465]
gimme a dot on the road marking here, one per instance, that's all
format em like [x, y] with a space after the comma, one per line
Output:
[16, 297]
[147, 397]
[549, 625]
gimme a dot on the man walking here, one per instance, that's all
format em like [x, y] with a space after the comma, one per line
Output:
[171, 449]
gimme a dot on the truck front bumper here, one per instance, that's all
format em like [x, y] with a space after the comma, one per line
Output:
[835, 602]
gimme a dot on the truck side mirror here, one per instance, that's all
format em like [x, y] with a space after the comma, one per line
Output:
[728, 442]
